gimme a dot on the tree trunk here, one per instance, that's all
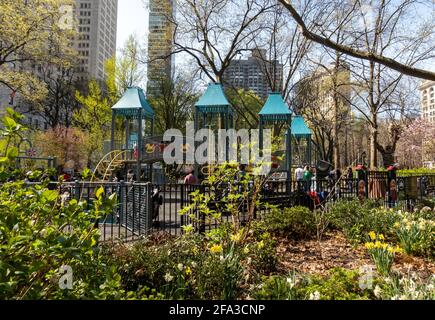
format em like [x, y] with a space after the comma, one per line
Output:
[373, 141]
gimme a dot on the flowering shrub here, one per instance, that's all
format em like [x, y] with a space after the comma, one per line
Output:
[277, 288]
[408, 287]
[216, 265]
[416, 235]
[381, 253]
[341, 284]
[356, 219]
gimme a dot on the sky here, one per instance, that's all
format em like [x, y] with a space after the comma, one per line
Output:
[132, 19]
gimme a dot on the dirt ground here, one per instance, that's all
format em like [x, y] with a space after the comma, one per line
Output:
[335, 251]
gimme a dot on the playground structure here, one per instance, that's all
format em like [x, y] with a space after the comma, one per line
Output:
[139, 150]
[146, 206]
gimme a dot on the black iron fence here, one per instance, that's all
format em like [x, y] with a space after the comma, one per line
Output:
[144, 208]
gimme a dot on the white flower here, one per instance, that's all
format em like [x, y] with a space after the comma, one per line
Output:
[249, 261]
[169, 252]
[168, 277]
[290, 282]
[180, 266]
[194, 264]
[377, 291]
[315, 295]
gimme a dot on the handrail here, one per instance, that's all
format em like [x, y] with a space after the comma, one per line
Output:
[117, 153]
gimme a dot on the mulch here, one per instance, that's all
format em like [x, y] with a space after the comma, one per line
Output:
[335, 251]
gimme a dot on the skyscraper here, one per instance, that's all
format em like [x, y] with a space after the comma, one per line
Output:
[96, 42]
[160, 42]
[253, 74]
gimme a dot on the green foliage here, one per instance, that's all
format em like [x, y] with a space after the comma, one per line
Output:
[261, 249]
[32, 32]
[212, 266]
[277, 288]
[295, 223]
[341, 284]
[415, 172]
[357, 219]
[39, 234]
[416, 232]
[382, 253]
[10, 135]
[408, 287]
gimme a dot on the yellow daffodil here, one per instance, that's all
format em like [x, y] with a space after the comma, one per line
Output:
[372, 235]
[216, 249]
[188, 271]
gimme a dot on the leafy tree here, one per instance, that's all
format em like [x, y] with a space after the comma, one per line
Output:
[416, 144]
[247, 105]
[94, 117]
[173, 102]
[66, 144]
[10, 136]
[32, 32]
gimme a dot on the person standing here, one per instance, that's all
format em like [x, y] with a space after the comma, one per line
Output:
[308, 176]
[190, 179]
[299, 176]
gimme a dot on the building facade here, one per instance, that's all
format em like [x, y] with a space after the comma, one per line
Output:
[96, 41]
[256, 74]
[160, 43]
[427, 100]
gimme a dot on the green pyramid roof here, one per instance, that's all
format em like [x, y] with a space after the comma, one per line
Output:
[299, 127]
[131, 102]
[275, 108]
[214, 100]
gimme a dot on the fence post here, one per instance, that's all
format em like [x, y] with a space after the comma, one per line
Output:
[149, 208]
[182, 203]
[77, 193]
[122, 196]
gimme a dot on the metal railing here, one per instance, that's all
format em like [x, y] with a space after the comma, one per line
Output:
[143, 209]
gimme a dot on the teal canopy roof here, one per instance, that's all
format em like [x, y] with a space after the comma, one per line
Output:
[214, 100]
[132, 102]
[300, 128]
[275, 108]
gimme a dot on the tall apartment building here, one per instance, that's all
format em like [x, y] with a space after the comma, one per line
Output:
[427, 98]
[96, 42]
[160, 43]
[255, 74]
[96, 23]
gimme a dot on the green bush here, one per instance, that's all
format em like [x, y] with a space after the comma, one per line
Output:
[41, 235]
[190, 267]
[408, 287]
[341, 284]
[277, 288]
[356, 220]
[294, 223]
[262, 249]
[416, 234]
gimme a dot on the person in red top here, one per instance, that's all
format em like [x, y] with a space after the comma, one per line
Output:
[190, 179]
